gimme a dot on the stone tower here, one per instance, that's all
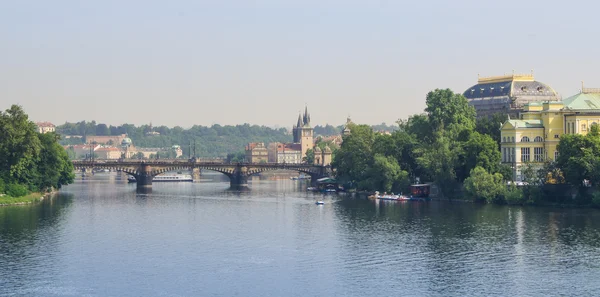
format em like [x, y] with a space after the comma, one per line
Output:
[318, 155]
[303, 132]
[306, 140]
[326, 156]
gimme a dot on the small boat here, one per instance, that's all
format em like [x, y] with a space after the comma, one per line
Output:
[311, 189]
[320, 202]
[392, 197]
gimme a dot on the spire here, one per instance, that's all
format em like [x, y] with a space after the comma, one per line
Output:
[305, 118]
[299, 121]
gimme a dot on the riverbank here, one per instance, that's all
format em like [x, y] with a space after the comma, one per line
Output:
[28, 199]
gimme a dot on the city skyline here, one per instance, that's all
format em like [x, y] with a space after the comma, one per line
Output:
[233, 62]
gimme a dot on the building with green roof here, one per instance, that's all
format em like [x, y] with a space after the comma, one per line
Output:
[535, 133]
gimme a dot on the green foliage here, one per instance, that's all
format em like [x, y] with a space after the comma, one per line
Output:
[579, 157]
[238, 157]
[385, 175]
[214, 141]
[491, 126]
[596, 199]
[2, 187]
[481, 185]
[16, 190]
[55, 168]
[445, 108]
[513, 195]
[370, 161]
[29, 158]
[439, 161]
[310, 157]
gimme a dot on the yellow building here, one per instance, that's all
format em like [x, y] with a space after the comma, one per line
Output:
[533, 137]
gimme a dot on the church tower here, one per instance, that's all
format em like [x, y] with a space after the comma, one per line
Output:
[306, 137]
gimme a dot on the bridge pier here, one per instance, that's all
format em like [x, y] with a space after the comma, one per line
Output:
[144, 176]
[196, 174]
[239, 178]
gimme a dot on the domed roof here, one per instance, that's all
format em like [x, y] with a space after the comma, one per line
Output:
[507, 93]
[126, 141]
[327, 149]
[317, 150]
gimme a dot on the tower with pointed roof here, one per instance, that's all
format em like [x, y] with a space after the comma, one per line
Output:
[303, 132]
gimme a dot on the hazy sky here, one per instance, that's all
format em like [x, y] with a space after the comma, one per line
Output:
[259, 62]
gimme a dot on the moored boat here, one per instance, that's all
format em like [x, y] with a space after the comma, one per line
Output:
[167, 178]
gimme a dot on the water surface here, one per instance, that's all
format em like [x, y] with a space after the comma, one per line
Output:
[99, 237]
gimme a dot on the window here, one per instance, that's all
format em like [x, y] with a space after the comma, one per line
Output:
[538, 154]
[568, 128]
[538, 139]
[525, 154]
[583, 127]
[556, 156]
[556, 136]
[504, 155]
[503, 139]
[525, 139]
[573, 128]
[513, 139]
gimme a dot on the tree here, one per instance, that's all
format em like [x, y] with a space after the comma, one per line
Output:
[30, 158]
[480, 150]
[102, 130]
[54, 167]
[439, 160]
[491, 126]
[385, 175]
[310, 157]
[579, 157]
[355, 155]
[445, 108]
[481, 185]
[19, 146]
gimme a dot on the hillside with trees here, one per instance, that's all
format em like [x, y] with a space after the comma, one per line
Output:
[214, 141]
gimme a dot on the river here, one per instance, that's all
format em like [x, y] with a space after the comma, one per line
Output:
[100, 237]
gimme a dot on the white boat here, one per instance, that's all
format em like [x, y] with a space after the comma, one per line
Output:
[167, 178]
[393, 197]
[320, 202]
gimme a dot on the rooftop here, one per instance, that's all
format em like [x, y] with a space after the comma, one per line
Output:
[526, 123]
[505, 78]
[586, 100]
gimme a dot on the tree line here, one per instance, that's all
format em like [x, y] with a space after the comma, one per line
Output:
[449, 146]
[30, 161]
[213, 141]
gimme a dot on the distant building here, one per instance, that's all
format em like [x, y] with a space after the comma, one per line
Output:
[346, 130]
[303, 133]
[256, 152]
[45, 127]
[507, 94]
[109, 153]
[110, 140]
[322, 157]
[178, 151]
[83, 151]
[290, 153]
[534, 135]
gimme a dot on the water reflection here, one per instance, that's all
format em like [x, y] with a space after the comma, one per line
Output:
[103, 237]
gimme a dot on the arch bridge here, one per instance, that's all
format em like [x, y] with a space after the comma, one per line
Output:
[238, 173]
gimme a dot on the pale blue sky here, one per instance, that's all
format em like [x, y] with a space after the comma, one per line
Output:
[228, 62]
